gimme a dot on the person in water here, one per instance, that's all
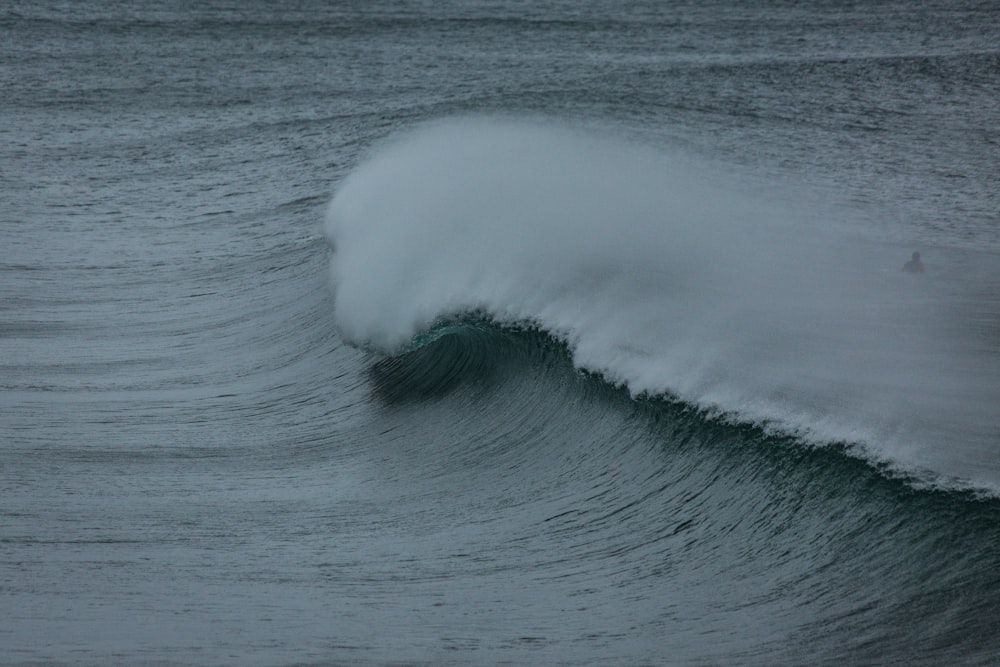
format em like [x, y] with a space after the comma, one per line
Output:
[914, 265]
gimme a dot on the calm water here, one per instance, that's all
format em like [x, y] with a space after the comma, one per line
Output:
[481, 333]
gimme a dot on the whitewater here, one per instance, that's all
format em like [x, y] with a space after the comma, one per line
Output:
[753, 302]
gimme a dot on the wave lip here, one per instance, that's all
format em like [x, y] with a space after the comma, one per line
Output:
[664, 276]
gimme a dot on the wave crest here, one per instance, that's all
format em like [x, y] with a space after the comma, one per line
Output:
[663, 277]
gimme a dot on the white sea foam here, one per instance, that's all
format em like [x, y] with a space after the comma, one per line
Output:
[664, 277]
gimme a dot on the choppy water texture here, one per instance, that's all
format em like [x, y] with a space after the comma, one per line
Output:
[479, 333]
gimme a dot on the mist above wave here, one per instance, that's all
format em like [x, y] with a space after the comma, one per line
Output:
[662, 274]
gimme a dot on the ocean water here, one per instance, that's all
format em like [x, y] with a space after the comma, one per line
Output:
[499, 333]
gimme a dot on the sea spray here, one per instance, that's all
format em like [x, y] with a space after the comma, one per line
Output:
[662, 276]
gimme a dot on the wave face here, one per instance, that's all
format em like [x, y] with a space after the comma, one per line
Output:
[572, 497]
[669, 278]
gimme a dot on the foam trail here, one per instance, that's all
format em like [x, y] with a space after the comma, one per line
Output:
[663, 278]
